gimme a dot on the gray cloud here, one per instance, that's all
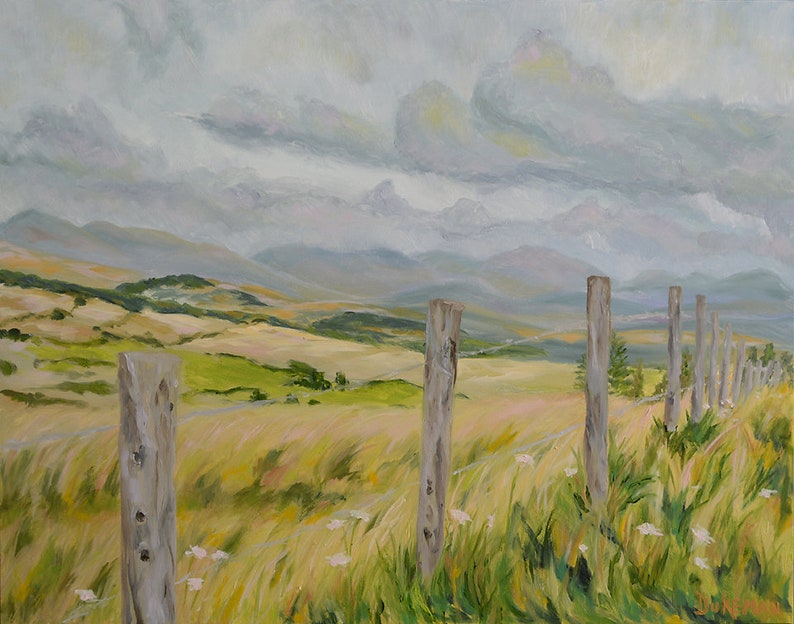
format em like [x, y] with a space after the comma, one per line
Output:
[435, 96]
[435, 131]
[249, 117]
[551, 108]
[81, 140]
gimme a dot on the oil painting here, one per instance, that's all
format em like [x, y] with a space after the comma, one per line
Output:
[339, 311]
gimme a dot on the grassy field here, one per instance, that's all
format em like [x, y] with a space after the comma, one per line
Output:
[297, 488]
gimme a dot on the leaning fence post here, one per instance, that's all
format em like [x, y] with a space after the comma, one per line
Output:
[441, 366]
[715, 347]
[700, 355]
[147, 393]
[599, 329]
[737, 375]
[672, 401]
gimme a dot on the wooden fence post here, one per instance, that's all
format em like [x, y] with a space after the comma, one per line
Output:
[749, 378]
[737, 374]
[672, 401]
[599, 330]
[147, 392]
[698, 380]
[768, 370]
[715, 347]
[758, 375]
[777, 373]
[726, 365]
[441, 367]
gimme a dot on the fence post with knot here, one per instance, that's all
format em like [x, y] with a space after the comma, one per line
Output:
[147, 392]
[441, 369]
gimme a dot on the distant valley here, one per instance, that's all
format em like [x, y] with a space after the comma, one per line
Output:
[529, 291]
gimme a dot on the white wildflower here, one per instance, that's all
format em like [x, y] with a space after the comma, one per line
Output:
[335, 524]
[702, 536]
[339, 559]
[219, 555]
[702, 563]
[525, 460]
[491, 520]
[569, 472]
[194, 583]
[86, 595]
[767, 493]
[648, 529]
[583, 548]
[196, 551]
[459, 516]
[361, 515]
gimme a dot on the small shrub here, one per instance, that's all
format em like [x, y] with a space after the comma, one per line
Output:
[307, 376]
[7, 368]
[257, 395]
[14, 334]
[58, 314]
[81, 387]
[35, 399]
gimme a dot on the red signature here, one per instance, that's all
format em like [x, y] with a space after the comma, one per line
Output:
[734, 607]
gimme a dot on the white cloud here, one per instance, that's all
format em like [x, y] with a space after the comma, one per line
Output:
[723, 218]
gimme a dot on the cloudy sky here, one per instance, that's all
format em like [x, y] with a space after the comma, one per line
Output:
[632, 135]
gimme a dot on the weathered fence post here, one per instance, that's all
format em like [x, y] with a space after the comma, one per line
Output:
[715, 347]
[726, 365]
[147, 392]
[700, 356]
[441, 366]
[758, 375]
[749, 378]
[672, 401]
[768, 370]
[777, 373]
[599, 329]
[737, 375]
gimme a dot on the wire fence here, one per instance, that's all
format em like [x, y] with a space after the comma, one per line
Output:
[390, 494]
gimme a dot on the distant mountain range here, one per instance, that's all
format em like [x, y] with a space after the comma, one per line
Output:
[529, 281]
[150, 252]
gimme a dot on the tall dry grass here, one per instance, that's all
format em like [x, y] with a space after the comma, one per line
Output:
[301, 513]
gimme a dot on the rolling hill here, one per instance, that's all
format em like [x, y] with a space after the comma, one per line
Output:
[533, 286]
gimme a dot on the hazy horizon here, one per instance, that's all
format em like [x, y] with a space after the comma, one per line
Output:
[631, 136]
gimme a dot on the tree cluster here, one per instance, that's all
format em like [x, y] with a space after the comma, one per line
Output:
[624, 380]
